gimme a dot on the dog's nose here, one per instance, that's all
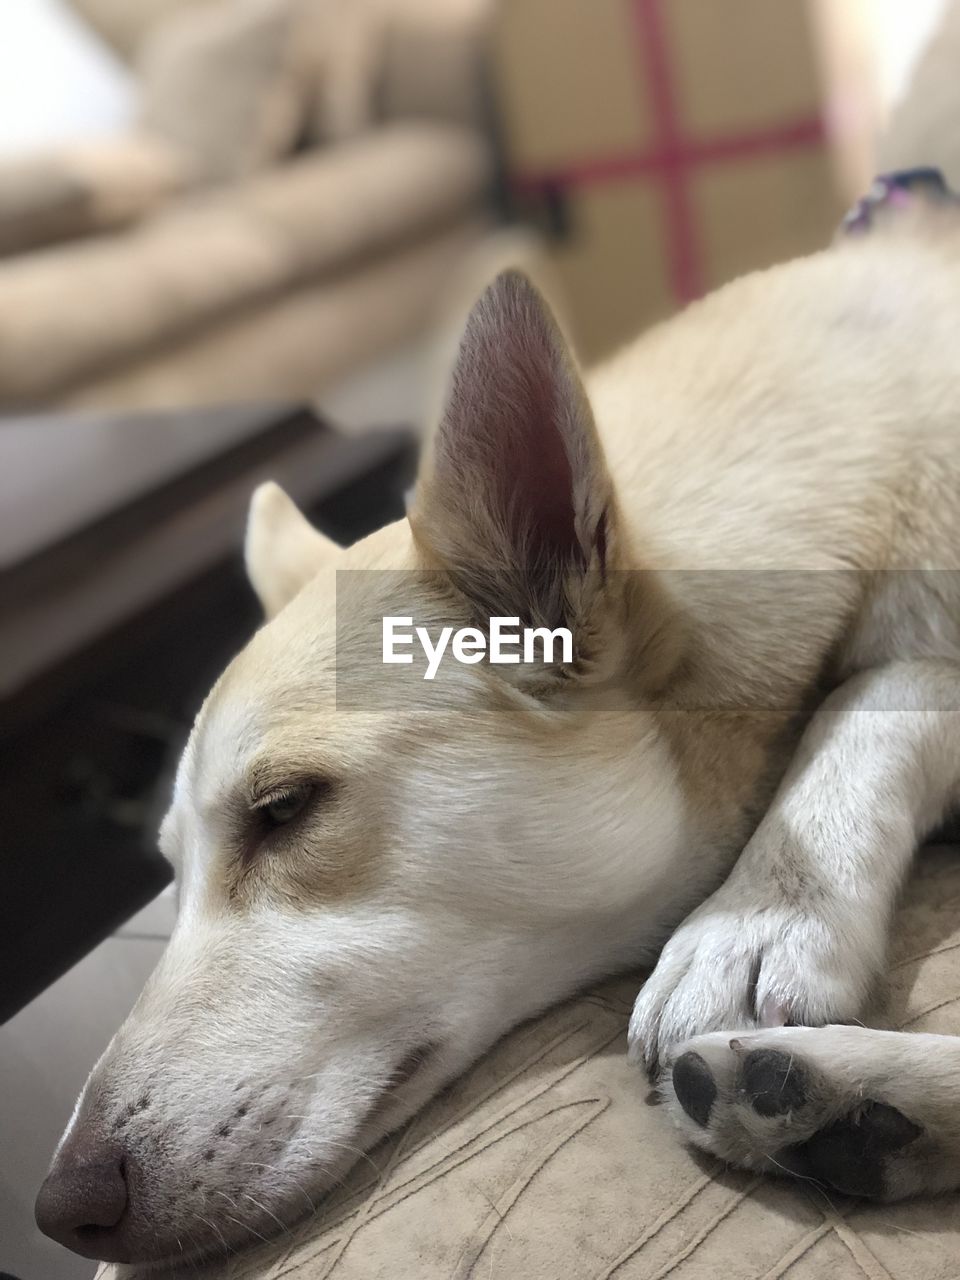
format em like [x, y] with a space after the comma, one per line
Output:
[83, 1200]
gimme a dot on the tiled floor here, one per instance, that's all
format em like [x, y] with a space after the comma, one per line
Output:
[46, 1052]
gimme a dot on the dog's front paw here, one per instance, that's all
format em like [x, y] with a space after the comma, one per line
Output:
[734, 965]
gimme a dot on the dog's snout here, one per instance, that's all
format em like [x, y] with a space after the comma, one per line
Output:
[84, 1199]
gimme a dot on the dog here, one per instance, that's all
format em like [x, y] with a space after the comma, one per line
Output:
[748, 522]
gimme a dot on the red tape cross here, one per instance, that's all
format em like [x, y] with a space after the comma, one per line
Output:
[673, 156]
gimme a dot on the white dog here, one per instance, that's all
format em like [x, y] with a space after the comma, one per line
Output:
[750, 524]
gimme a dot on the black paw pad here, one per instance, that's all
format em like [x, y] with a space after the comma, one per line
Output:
[848, 1155]
[694, 1086]
[774, 1081]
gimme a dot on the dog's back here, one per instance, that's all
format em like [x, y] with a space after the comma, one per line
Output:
[720, 444]
[770, 448]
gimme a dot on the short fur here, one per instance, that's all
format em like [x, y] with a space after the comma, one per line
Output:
[749, 520]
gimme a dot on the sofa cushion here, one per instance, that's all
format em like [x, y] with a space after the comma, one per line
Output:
[333, 207]
[355, 60]
[547, 1162]
[432, 63]
[327, 212]
[242, 82]
[84, 190]
[339, 49]
[125, 23]
[307, 340]
[221, 83]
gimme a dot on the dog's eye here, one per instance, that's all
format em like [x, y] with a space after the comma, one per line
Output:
[283, 806]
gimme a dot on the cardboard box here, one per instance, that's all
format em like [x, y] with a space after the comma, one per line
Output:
[677, 143]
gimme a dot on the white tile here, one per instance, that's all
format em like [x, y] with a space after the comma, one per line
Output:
[46, 1052]
[155, 920]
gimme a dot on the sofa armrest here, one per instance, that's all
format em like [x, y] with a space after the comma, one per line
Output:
[320, 215]
[84, 190]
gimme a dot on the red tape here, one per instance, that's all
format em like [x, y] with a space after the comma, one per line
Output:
[673, 156]
[678, 219]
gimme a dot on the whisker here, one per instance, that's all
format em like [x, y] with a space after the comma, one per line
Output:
[247, 1227]
[274, 1168]
[263, 1209]
[213, 1227]
[804, 1177]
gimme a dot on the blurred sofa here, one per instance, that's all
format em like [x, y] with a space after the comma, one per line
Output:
[303, 179]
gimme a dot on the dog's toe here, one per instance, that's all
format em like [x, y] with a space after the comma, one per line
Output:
[774, 1082]
[694, 1086]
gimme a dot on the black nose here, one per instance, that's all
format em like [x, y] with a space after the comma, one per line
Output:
[83, 1201]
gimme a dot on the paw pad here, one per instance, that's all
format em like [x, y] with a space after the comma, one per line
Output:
[695, 1087]
[848, 1155]
[773, 1081]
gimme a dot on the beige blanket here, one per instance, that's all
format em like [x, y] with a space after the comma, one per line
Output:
[550, 1162]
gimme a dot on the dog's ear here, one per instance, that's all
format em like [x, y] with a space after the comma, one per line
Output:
[515, 500]
[282, 550]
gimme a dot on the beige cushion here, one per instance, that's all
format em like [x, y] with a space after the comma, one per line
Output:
[338, 49]
[221, 83]
[41, 201]
[331, 207]
[202, 259]
[291, 346]
[432, 63]
[241, 82]
[347, 63]
[84, 190]
[547, 1163]
[125, 23]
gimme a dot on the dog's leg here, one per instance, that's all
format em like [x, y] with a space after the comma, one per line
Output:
[798, 932]
[869, 1113]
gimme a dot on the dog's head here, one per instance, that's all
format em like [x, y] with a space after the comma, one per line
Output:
[379, 875]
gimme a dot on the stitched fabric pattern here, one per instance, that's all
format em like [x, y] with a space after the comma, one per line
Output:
[547, 1162]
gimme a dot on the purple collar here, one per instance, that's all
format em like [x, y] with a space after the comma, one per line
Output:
[892, 191]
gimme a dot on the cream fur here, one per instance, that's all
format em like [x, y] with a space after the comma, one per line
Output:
[781, 523]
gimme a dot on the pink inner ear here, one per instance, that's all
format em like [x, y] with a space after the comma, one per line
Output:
[533, 481]
[509, 425]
